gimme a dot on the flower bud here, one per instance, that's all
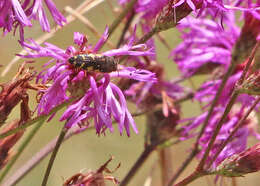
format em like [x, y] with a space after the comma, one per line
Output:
[251, 85]
[171, 15]
[240, 164]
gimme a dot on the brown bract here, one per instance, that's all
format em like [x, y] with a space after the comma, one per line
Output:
[92, 178]
[11, 94]
[15, 91]
[7, 143]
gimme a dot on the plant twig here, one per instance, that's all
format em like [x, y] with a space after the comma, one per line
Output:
[214, 103]
[238, 126]
[217, 129]
[165, 162]
[88, 24]
[38, 157]
[200, 171]
[36, 119]
[53, 155]
[122, 15]
[127, 25]
[145, 154]
[190, 178]
[21, 149]
[183, 166]
[148, 35]
[227, 109]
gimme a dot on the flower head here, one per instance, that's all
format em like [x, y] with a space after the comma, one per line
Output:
[239, 141]
[14, 14]
[205, 43]
[149, 8]
[97, 97]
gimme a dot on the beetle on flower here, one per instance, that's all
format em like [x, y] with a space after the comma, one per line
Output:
[98, 98]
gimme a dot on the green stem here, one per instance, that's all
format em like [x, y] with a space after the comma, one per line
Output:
[127, 25]
[35, 120]
[38, 157]
[148, 35]
[21, 149]
[119, 19]
[53, 155]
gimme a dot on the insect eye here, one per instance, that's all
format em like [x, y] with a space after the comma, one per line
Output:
[71, 60]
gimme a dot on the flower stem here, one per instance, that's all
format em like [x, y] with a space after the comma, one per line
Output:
[21, 149]
[238, 126]
[228, 107]
[145, 154]
[183, 166]
[148, 35]
[53, 155]
[190, 178]
[127, 25]
[217, 129]
[119, 19]
[214, 103]
[36, 119]
[38, 157]
[165, 159]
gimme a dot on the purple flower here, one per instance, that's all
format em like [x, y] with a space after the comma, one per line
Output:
[14, 14]
[208, 90]
[99, 98]
[239, 142]
[143, 92]
[205, 43]
[251, 7]
[210, 44]
[148, 8]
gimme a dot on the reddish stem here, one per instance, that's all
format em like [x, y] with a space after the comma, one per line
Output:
[190, 178]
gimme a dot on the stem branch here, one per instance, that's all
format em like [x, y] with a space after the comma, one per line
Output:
[53, 155]
[118, 20]
[21, 149]
[183, 166]
[145, 154]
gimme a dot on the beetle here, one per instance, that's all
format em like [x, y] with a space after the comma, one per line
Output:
[94, 62]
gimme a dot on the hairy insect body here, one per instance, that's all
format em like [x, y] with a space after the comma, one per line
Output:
[94, 62]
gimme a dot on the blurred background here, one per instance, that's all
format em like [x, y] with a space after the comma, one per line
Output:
[87, 151]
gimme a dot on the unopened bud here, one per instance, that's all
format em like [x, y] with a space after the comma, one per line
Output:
[240, 164]
[251, 85]
[171, 15]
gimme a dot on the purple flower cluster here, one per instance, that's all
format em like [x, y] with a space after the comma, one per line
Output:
[149, 8]
[14, 14]
[205, 43]
[99, 98]
[207, 47]
[212, 44]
